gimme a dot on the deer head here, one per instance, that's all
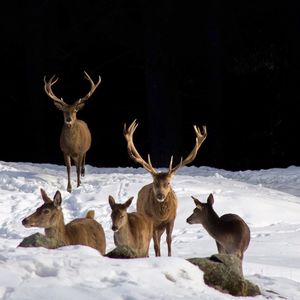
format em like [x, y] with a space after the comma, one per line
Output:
[69, 110]
[161, 180]
[202, 211]
[119, 213]
[46, 215]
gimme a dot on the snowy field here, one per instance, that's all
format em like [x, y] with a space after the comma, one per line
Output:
[268, 200]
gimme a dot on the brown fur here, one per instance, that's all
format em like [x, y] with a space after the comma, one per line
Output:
[82, 231]
[75, 138]
[131, 229]
[163, 214]
[231, 233]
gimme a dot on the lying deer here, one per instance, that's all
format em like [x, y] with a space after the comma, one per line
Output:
[82, 231]
[231, 233]
[157, 199]
[131, 229]
[75, 138]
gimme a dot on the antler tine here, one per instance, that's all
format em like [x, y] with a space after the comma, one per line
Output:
[132, 151]
[48, 89]
[149, 161]
[200, 138]
[92, 90]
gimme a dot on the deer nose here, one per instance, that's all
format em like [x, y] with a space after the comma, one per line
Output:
[160, 197]
[68, 120]
[114, 227]
[24, 221]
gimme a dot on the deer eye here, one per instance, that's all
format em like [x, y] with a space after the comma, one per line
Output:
[46, 211]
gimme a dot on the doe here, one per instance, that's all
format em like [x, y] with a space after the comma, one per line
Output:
[230, 231]
[82, 231]
[131, 229]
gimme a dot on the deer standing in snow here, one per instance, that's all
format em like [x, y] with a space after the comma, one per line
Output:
[157, 199]
[131, 229]
[75, 138]
[231, 233]
[81, 231]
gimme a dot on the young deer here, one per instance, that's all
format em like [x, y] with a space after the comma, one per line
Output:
[231, 233]
[157, 199]
[82, 231]
[131, 229]
[75, 138]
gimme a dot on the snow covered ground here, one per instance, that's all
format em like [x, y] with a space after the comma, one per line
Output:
[268, 200]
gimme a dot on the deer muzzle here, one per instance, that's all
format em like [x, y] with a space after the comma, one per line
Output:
[115, 228]
[25, 223]
[160, 197]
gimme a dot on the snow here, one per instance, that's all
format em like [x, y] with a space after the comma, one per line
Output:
[268, 200]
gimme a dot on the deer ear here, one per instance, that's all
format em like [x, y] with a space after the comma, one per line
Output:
[57, 199]
[197, 203]
[111, 201]
[79, 106]
[59, 106]
[210, 200]
[45, 196]
[128, 202]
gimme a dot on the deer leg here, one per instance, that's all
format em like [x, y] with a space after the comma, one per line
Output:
[156, 239]
[68, 165]
[169, 230]
[78, 169]
[83, 165]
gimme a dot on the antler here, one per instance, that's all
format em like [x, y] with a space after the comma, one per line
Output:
[49, 92]
[92, 90]
[199, 140]
[133, 153]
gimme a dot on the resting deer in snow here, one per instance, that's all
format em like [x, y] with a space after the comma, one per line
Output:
[75, 138]
[131, 229]
[231, 233]
[157, 199]
[81, 231]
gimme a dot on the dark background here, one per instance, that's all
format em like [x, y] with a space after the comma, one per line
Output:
[233, 66]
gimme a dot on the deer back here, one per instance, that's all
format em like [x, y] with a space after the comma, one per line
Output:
[237, 231]
[88, 232]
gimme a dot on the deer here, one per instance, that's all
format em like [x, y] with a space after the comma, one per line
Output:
[158, 199]
[230, 231]
[81, 231]
[131, 229]
[75, 137]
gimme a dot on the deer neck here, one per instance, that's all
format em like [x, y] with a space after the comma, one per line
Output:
[212, 223]
[124, 233]
[72, 128]
[58, 231]
[163, 210]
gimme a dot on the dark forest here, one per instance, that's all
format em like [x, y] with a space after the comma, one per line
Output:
[232, 66]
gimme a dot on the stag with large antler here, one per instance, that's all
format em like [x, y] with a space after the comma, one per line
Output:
[157, 199]
[75, 138]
